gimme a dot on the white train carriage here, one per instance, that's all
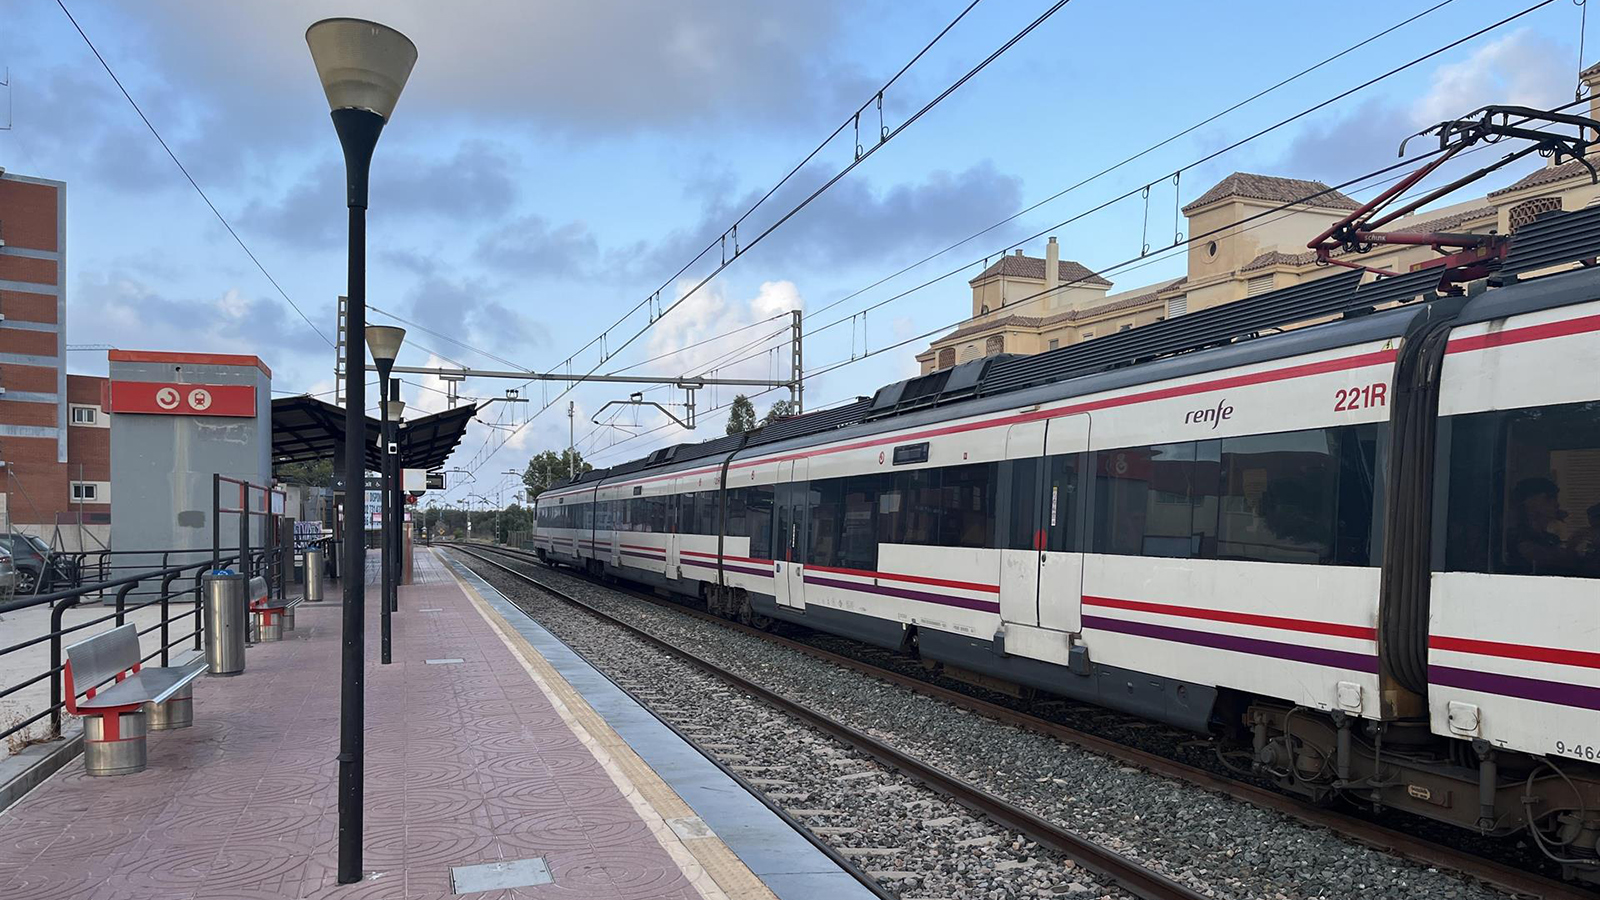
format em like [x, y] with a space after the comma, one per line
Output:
[1365, 551]
[1513, 642]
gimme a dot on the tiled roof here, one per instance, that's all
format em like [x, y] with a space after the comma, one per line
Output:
[1590, 71]
[1275, 189]
[1279, 258]
[1071, 315]
[1015, 266]
[1546, 175]
[1450, 222]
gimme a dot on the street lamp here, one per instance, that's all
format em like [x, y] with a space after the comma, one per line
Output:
[363, 67]
[384, 341]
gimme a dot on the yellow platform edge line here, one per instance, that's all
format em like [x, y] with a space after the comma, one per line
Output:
[714, 870]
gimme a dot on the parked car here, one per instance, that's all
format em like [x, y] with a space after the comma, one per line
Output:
[8, 575]
[38, 568]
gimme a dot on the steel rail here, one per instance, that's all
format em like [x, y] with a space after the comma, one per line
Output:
[1121, 870]
[1498, 875]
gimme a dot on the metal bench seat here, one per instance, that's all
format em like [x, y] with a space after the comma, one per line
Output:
[116, 717]
[272, 616]
[144, 686]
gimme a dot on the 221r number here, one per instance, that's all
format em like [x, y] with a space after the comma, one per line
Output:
[1361, 397]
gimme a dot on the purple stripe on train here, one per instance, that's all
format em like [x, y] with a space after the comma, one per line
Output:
[1338, 659]
[743, 570]
[1559, 693]
[906, 594]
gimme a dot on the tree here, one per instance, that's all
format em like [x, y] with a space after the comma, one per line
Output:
[314, 474]
[741, 415]
[548, 467]
[780, 410]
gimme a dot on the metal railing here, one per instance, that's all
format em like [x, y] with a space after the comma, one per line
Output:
[174, 588]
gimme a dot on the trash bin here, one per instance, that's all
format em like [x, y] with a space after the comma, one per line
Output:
[313, 574]
[226, 620]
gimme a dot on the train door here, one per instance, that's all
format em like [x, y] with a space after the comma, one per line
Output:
[676, 516]
[1066, 442]
[1019, 559]
[617, 527]
[789, 535]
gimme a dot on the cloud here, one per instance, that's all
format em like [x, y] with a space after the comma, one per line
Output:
[531, 245]
[475, 182]
[1522, 68]
[467, 309]
[854, 222]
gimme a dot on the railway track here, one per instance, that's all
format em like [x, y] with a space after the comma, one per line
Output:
[1113, 867]
[1510, 879]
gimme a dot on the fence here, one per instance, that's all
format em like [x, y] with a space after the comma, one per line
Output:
[168, 581]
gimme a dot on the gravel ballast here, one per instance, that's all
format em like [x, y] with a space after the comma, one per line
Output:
[1218, 845]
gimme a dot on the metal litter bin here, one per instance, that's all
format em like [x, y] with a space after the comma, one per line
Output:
[313, 574]
[227, 617]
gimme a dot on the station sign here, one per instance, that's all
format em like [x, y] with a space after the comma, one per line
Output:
[171, 399]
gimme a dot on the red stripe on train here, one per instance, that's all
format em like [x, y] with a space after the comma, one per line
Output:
[1281, 623]
[1584, 658]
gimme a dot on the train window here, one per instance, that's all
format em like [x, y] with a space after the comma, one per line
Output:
[758, 505]
[918, 519]
[1523, 492]
[1157, 501]
[966, 505]
[1059, 526]
[1279, 497]
[705, 513]
[858, 539]
[1026, 532]
[825, 498]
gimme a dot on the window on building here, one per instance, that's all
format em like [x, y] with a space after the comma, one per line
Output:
[1260, 284]
[1125, 326]
[1524, 491]
[1054, 343]
[993, 345]
[85, 415]
[1088, 334]
[1530, 211]
[1177, 306]
[947, 357]
[85, 492]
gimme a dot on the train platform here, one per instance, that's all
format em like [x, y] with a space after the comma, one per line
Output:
[498, 764]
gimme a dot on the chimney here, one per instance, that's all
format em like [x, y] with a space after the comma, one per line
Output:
[1052, 269]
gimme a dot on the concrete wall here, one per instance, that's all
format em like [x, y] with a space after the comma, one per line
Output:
[162, 464]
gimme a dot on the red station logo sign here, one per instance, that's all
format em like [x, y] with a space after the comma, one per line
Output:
[161, 399]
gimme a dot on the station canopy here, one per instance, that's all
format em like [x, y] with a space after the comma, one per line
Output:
[306, 429]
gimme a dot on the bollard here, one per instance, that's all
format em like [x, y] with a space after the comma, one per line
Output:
[226, 620]
[313, 575]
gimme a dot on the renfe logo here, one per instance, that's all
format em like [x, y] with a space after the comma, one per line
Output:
[1214, 416]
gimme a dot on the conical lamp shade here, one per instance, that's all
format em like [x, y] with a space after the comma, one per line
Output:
[384, 342]
[363, 65]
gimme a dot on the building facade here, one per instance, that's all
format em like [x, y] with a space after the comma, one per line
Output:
[1249, 236]
[54, 431]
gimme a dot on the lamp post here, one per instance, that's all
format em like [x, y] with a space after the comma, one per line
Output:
[395, 411]
[384, 342]
[363, 67]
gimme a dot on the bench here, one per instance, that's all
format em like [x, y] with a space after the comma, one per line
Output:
[272, 616]
[115, 718]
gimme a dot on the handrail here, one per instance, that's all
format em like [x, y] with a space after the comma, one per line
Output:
[167, 576]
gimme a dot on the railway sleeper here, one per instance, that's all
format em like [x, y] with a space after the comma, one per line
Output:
[1401, 765]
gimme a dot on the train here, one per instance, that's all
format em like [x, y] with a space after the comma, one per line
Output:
[1350, 530]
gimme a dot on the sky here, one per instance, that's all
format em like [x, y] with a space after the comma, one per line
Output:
[552, 165]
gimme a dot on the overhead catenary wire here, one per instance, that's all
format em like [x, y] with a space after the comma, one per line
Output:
[192, 183]
[1204, 159]
[1124, 161]
[860, 157]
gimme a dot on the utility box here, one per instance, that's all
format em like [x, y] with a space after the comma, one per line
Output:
[177, 419]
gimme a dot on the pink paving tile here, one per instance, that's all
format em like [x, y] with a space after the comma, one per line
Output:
[466, 763]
